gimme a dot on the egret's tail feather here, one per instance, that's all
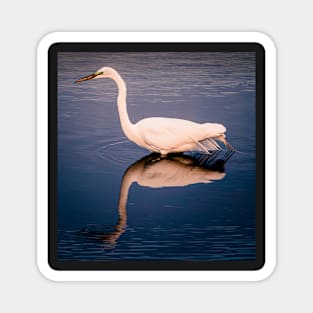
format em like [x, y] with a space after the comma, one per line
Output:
[214, 160]
[213, 144]
[210, 144]
[227, 145]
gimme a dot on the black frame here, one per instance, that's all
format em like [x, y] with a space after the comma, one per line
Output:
[260, 156]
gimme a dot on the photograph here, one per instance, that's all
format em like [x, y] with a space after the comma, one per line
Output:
[155, 159]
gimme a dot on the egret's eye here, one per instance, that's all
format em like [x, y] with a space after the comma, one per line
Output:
[99, 73]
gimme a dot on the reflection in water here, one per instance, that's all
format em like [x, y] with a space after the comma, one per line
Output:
[176, 170]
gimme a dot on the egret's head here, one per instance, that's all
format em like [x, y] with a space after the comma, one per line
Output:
[103, 72]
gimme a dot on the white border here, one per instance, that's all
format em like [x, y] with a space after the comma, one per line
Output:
[42, 157]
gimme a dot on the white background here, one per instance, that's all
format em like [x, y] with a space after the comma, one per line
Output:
[23, 24]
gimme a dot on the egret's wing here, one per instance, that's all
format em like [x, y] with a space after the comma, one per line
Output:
[167, 134]
[160, 140]
[169, 139]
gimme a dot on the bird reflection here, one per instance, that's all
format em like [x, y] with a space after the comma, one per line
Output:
[155, 171]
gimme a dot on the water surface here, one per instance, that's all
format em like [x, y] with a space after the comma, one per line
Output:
[212, 220]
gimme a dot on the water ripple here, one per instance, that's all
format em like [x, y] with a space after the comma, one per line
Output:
[187, 242]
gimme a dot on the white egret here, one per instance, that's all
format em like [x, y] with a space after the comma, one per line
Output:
[163, 135]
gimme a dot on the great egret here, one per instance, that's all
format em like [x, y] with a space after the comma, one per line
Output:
[163, 135]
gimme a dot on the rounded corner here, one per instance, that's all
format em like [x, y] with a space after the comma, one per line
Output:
[50, 270]
[265, 41]
[259, 265]
[47, 41]
[265, 271]
[47, 270]
[53, 47]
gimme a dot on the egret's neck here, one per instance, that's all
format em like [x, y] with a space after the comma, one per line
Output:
[126, 124]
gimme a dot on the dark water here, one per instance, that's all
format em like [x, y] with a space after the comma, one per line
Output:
[115, 204]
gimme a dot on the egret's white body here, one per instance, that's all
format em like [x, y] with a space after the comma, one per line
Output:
[159, 134]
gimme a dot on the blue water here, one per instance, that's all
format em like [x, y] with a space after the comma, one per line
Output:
[186, 219]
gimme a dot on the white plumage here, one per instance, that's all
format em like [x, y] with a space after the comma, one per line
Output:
[160, 134]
